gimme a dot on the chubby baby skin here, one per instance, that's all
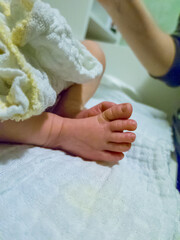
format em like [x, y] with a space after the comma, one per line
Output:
[93, 134]
[97, 134]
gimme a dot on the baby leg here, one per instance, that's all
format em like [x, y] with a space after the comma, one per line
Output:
[74, 98]
[98, 137]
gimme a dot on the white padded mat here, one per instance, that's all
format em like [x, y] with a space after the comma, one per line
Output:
[46, 194]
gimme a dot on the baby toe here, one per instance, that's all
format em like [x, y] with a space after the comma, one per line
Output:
[111, 156]
[121, 125]
[118, 147]
[119, 111]
[126, 137]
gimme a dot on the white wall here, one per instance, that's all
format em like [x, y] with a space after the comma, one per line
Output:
[75, 12]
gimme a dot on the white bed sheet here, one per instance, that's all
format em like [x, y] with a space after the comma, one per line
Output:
[46, 194]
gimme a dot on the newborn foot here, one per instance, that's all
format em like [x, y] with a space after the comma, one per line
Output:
[99, 137]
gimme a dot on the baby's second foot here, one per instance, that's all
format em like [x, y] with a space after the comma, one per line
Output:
[99, 137]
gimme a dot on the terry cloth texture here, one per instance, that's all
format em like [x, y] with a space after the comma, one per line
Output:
[38, 58]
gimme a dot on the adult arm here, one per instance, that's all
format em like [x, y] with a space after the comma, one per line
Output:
[154, 48]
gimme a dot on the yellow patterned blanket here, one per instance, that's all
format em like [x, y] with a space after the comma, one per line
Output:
[39, 57]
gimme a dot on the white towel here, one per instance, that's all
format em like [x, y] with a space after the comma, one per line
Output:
[38, 58]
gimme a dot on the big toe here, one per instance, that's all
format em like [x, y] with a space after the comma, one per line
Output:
[119, 111]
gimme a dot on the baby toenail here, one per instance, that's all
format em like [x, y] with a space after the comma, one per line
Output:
[124, 108]
[133, 136]
[133, 122]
